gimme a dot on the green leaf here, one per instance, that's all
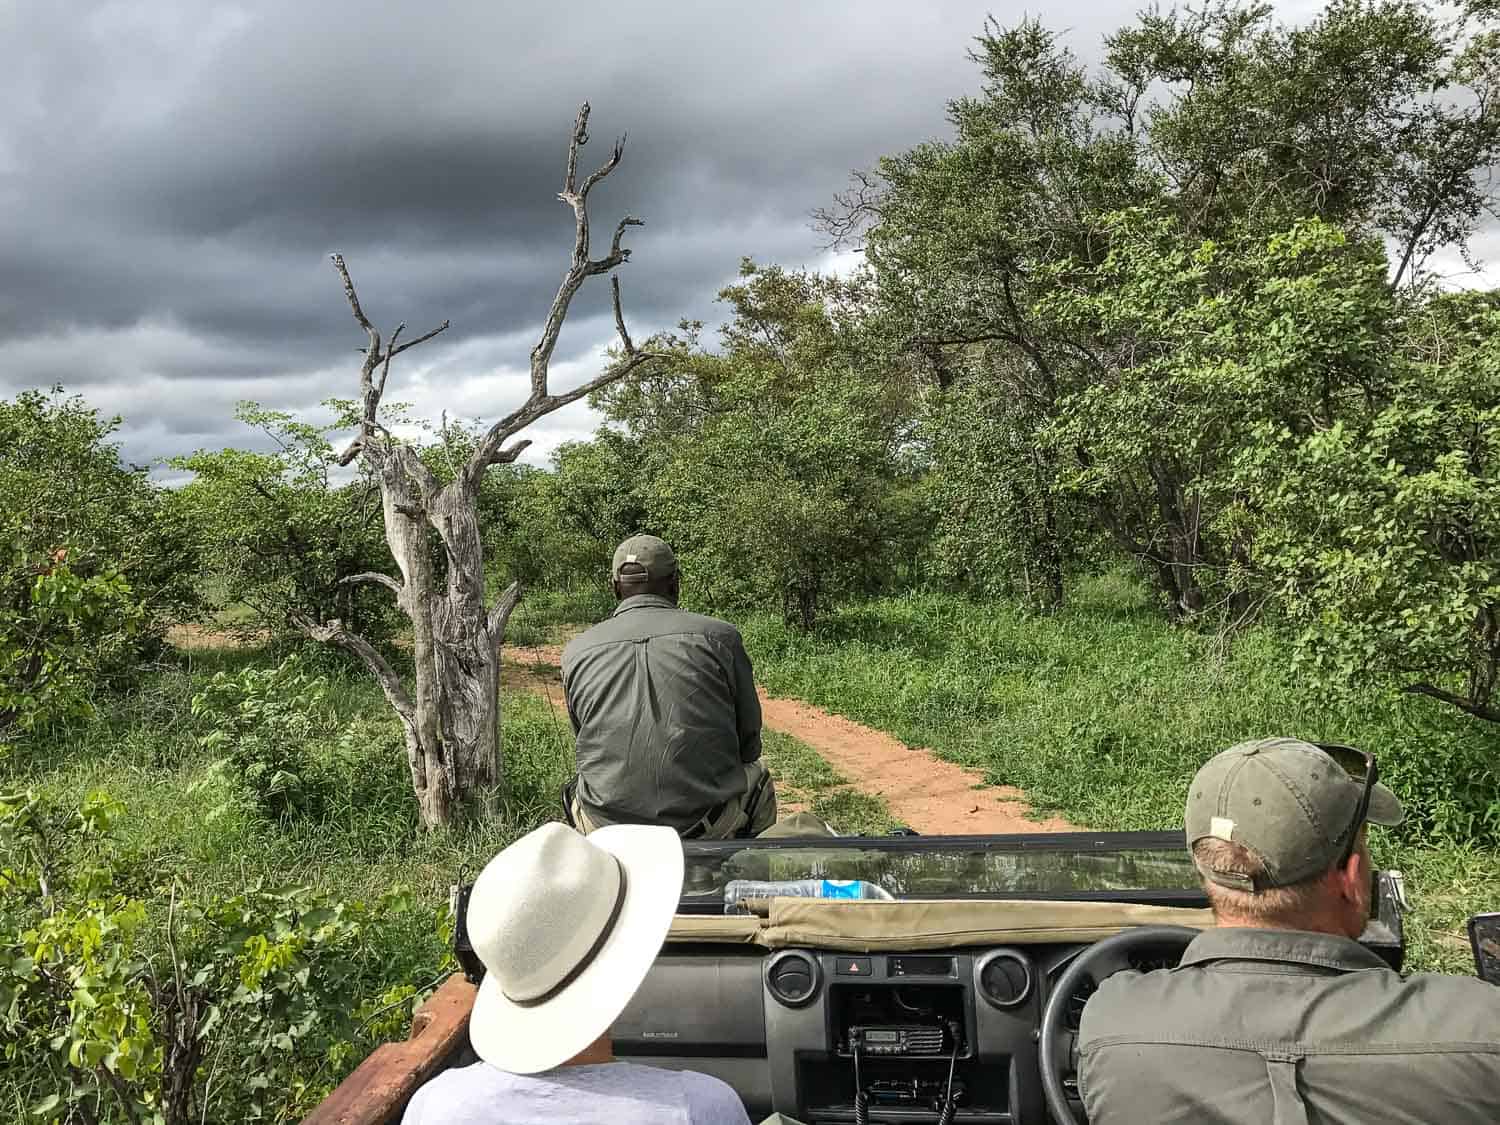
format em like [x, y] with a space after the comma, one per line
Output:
[47, 1105]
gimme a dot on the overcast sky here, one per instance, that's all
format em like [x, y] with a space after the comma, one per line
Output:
[174, 174]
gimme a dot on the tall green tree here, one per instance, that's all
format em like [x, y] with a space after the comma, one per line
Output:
[1377, 116]
[773, 463]
[595, 501]
[1383, 529]
[1206, 346]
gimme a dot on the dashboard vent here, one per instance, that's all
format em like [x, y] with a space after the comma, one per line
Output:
[1004, 978]
[792, 978]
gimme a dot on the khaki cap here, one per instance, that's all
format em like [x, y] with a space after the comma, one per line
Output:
[1286, 801]
[651, 554]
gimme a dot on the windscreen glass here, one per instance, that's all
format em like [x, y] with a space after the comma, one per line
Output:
[940, 867]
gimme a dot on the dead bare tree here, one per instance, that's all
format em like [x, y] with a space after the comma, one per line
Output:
[452, 717]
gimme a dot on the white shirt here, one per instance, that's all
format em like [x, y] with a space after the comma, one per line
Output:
[618, 1093]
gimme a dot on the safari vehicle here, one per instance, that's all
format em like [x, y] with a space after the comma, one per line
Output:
[958, 1000]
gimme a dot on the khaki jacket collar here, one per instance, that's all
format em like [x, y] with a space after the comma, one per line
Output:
[1302, 947]
[643, 601]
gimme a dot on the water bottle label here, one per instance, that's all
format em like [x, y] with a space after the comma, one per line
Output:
[841, 888]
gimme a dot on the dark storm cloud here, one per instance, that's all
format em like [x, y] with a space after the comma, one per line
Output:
[173, 174]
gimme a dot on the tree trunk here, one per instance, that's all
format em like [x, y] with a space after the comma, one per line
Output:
[466, 656]
[452, 732]
[1050, 557]
[432, 776]
[1178, 569]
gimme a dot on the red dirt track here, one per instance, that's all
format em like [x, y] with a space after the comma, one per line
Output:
[922, 790]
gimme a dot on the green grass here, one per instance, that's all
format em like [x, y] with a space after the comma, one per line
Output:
[1102, 713]
[192, 819]
[802, 776]
[540, 612]
[193, 824]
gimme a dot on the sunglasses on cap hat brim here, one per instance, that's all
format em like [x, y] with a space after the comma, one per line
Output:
[1359, 765]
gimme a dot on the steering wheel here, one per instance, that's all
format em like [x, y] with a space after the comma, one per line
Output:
[1098, 962]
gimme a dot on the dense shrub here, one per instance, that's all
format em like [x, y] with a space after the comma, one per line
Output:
[63, 486]
[276, 731]
[776, 464]
[280, 532]
[93, 564]
[126, 998]
[1384, 529]
[60, 633]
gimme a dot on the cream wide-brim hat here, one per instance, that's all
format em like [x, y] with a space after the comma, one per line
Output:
[526, 1038]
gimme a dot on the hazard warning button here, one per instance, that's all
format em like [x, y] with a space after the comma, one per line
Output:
[852, 967]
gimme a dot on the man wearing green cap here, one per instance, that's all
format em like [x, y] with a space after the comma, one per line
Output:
[664, 707]
[1278, 1014]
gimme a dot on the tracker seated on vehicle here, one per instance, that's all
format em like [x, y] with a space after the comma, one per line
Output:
[664, 708]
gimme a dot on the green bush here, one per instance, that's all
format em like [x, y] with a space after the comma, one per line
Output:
[93, 564]
[267, 723]
[1384, 529]
[122, 1003]
[279, 534]
[60, 633]
[777, 466]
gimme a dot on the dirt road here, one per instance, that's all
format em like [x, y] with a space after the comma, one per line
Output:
[922, 790]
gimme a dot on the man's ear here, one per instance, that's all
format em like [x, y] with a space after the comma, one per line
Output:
[614, 585]
[1352, 877]
[1355, 870]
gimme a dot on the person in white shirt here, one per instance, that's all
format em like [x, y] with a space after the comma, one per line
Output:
[567, 927]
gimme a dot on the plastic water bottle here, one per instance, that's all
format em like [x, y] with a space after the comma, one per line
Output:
[737, 890]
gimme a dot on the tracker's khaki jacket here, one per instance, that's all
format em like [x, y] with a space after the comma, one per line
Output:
[663, 703]
[1291, 1028]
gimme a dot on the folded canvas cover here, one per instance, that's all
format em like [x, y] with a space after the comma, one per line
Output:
[865, 926]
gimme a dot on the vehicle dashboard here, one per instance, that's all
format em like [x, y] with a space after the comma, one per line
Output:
[781, 1025]
[781, 1028]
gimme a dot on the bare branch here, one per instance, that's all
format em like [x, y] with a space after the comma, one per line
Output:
[374, 579]
[604, 169]
[385, 367]
[854, 211]
[369, 396]
[625, 341]
[579, 139]
[554, 402]
[334, 633]
[376, 357]
[500, 614]
[395, 351]
[359, 313]
[540, 402]
[355, 447]
[508, 455]
[614, 246]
